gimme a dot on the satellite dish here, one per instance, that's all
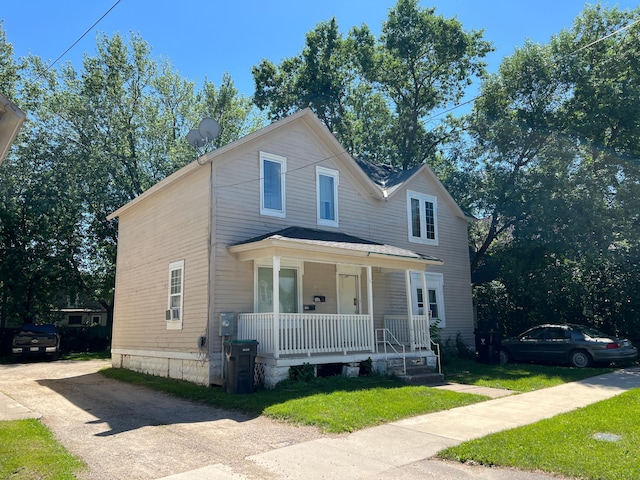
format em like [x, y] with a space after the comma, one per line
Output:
[209, 129]
[195, 139]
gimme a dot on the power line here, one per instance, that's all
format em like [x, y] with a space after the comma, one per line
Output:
[584, 47]
[82, 36]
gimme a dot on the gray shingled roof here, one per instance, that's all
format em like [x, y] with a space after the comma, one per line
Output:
[337, 240]
[386, 176]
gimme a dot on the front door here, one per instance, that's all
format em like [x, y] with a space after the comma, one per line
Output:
[348, 288]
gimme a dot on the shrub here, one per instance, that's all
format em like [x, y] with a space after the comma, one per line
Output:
[302, 373]
[366, 367]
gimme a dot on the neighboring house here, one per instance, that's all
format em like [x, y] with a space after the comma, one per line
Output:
[11, 119]
[81, 316]
[353, 247]
[78, 311]
[85, 317]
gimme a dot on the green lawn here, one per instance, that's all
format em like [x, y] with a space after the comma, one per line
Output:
[566, 444]
[86, 356]
[29, 451]
[518, 377]
[334, 404]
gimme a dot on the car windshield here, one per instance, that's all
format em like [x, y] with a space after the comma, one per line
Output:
[47, 329]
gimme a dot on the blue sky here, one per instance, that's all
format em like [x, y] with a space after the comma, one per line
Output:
[206, 38]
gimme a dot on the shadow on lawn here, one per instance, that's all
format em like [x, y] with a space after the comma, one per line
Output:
[257, 402]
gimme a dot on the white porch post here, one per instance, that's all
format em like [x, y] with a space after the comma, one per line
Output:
[276, 306]
[370, 308]
[425, 307]
[412, 339]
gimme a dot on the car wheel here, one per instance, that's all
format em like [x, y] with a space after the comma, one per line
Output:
[580, 359]
[505, 357]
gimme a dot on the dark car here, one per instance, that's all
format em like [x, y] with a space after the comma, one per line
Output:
[36, 340]
[577, 345]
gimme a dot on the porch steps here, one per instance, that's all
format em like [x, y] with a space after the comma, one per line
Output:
[417, 373]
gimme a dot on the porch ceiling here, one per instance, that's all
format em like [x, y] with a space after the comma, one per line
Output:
[329, 247]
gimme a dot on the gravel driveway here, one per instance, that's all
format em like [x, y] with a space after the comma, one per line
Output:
[125, 431]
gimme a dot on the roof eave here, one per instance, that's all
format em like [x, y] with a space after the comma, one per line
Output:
[321, 253]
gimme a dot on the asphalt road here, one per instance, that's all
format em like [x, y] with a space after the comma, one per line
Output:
[123, 431]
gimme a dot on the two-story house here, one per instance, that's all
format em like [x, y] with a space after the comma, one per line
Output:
[362, 255]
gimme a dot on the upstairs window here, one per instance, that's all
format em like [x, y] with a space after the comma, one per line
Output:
[327, 196]
[175, 300]
[423, 218]
[272, 191]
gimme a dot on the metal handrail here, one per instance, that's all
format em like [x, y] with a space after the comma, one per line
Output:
[386, 331]
[437, 345]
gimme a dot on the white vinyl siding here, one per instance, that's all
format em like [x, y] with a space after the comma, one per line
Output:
[171, 225]
[176, 291]
[272, 185]
[327, 196]
[422, 218]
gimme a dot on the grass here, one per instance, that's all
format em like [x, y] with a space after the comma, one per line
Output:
[338, 404]
[517, 377]
[29, 451]
[565, 444]
[334, 404]
[86, 356]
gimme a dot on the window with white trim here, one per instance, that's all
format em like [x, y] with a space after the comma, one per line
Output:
[435, 296]
[327, 196]
[288, 294]
[174, 313]
[422, 215]
[272, 184]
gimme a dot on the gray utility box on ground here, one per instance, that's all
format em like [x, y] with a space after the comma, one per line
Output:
[240, 362]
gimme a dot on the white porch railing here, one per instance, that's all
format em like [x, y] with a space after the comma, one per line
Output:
[307, 333]
[401, 330]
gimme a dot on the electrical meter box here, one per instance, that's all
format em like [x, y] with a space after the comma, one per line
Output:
[227, 324]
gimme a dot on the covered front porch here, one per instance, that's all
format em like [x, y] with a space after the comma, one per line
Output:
[340, 299]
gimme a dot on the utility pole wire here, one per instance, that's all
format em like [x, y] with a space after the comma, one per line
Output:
[82, 36]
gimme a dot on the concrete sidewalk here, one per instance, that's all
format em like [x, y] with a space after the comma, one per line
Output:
[401, 450]
[12, 410]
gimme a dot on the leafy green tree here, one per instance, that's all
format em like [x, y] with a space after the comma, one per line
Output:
[320, 77]
[554, 173]
[514, 129]
[234, 112]
[40, 213]
[376, 94]
[130, 119]
[96, 138]
[421, 62]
